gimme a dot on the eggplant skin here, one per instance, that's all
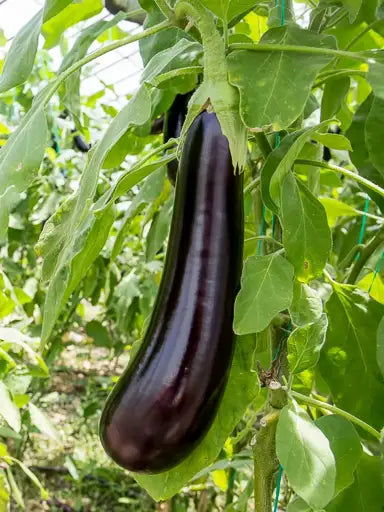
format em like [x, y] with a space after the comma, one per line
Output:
[173, 123]
[167, 398]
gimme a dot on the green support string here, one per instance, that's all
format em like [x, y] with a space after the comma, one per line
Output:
[278, 486]
[261, 231]
[363, 225]
[277, 142]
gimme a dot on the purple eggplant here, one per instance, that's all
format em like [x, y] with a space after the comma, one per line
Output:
[167, 398]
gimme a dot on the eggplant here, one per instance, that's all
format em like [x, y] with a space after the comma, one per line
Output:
[167, 398]
[173, 123]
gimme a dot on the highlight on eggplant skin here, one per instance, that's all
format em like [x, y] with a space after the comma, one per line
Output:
[173, 123]
[167, 398]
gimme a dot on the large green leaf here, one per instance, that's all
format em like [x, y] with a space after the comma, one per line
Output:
[65, 239]
[345, 445]
[349, 354]
[305, 343]
[241, 390]
[266, 289]
[376, 76]
[360, 156]
[374, 134]
[306, 234]
[20, 160]
[265, 78]
[21, 55]
[306, 456]
[229, 9]
[72, 14]
[366, 494]
[380, 346]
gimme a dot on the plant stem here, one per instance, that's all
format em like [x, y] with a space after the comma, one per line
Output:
[332, 408]
[340, 74]
[263, 143]
[102, 51]
[174, 73]
[265, 462]
[253, 184]
[346, 172]
[365, 254]
[311, 50]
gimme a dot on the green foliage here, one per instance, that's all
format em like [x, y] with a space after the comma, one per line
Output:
[83, 240]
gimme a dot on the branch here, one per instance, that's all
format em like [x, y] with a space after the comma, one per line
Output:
[98, 53]
[311, 50]
[346, 172]
[263, 143]
[365, 254]
[332, 408]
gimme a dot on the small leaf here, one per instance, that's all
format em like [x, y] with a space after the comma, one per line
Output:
[333, 141]
[375, 77]
[345, 445]
[8, 410]
[306, 235]
[334, 94]
[305, 343]
[307, 306]
[335, 209]
[374, 285]
[266, 289]
[16, 493]
[99, 333]
[306, 456]
[349, 356]
[43, 423]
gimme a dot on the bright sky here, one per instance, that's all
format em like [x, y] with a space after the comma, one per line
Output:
[123, 72]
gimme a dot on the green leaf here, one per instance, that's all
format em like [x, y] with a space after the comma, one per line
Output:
[374, 134]
[345, 445]
[333, 140]
[275, 73]
[306, 456]
[12, 335]
[366, 494]
[279, 163]
[53, 29]
[334, 94]
[297, 504]
[353, 8]
[43, 423]
[229, 9]
[159, 230]
[375, 76]
[348, 357]
[306, 235]
[307, 306]
[8, 410]
[380, 346]
[21, 55]
[94, 329]
[266, 289]
[360, 156]
[75, 232]
[20, 160]
[374, 285]
[241, 390]
[335, 208]
[305, 343]
[16, 493]
[70, 92]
